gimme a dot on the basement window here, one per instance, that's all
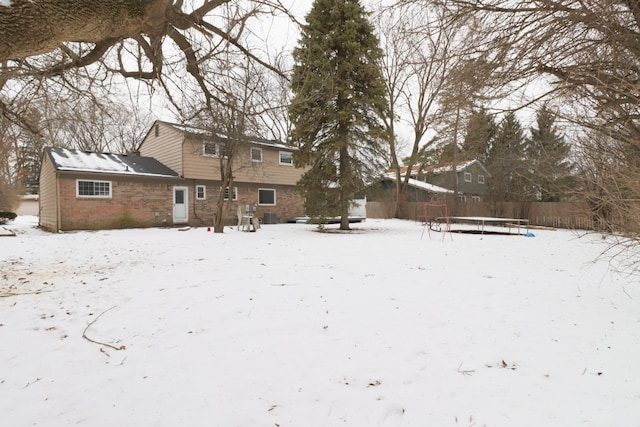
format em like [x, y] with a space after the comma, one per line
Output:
[98, 189]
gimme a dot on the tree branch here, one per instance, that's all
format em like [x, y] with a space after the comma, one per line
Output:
[84, 333]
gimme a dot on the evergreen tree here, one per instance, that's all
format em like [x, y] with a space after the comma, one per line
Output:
[506, 162]
[481, 129]
[548, 155]
[339, 94]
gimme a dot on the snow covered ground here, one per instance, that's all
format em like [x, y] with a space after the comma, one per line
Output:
[291, 327]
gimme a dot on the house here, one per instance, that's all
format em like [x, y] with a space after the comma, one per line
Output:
[86, 190]
[264, 174]
[172, 180]
[469, 180]
[418, 191]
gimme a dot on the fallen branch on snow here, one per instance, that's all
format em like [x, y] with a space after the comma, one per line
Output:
[84, 333]
[465, 372]
[7, 294]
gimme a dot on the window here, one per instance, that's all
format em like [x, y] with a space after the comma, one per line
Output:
[480, 179]
[266, 197]
[235, 193]
[475, 198]
[213, 149]
[201, 192]
[467, 177]
[462, 199]
[256, 154]
[93, 189]
[286, 158]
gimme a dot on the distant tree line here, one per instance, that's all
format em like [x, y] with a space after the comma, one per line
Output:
[524, 166]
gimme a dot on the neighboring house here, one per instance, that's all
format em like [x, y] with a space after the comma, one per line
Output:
[264, 175]
[174, 180]
[470, 178]
[83, 190]
[418, 191]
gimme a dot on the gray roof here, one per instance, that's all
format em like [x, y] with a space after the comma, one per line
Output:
[205, 133]
[421, 185]
[65, 159]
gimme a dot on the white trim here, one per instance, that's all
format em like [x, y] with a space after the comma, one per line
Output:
[94, 181]
[274, 196]
[219, 148]
[204, 192]
[257, 150]
[180, 220]
[280, 153]
[235, 193]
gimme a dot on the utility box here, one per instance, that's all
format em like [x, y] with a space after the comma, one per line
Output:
[270, 218]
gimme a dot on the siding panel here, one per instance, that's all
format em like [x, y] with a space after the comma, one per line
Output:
[48, 196]
[165, 147]
[197, 166]
[269, 171]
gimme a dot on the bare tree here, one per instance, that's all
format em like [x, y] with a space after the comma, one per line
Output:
[67, 60]
[233, 124]
[423, 49]
[8, 185]
[585, 52]
[57, 118]
[81, 45]
[250, 103]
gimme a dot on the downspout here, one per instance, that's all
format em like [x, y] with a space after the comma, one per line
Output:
[58, 215]
[181, 175]
[195, 192]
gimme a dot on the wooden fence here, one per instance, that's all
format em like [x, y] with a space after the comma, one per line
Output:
[572, 215]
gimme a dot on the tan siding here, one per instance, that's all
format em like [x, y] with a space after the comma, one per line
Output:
[48, 196]
[166, 147]
[269, 171]
[197, 166]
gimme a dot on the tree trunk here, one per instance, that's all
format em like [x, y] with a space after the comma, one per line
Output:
[345, 171]
[33, 27]
[226, 180]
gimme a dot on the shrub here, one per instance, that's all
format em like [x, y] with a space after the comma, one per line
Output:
[7, 216]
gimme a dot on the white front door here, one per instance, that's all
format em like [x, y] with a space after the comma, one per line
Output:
[180, 210]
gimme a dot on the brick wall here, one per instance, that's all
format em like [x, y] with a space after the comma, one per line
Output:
[134, 203]
[148, 202]
[289, 203]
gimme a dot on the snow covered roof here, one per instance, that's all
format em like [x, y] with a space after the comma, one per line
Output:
[429, 187]
[422, 185]
[447, 167]
[443, 167]
[192, 130]
[65, 159]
